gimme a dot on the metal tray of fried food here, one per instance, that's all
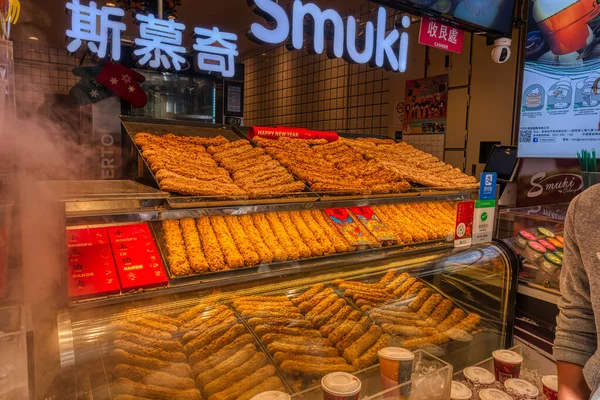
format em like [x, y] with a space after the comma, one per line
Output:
[408, 192]
[134, 126]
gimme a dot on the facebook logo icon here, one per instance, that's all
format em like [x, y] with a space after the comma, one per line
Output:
[535, 140]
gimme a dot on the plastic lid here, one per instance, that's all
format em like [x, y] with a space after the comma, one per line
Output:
[494, 394]
[507, 357]
[553, 258]
[460, 391]
[537, 247]
[522, 387]
[527, 235]
[547, 244]
[560, 239]
[545, 232]
[341, 384]
[559, 254]
[480, 375]
[396, 354]
[551, 382]
[272, 395]
[556, 243]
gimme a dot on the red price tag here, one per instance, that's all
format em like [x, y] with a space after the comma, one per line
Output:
[463, 231]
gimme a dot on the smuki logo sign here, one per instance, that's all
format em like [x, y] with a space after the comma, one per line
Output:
[380, 48]
[560, 183]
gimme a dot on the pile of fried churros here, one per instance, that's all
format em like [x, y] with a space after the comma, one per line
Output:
[211, 244]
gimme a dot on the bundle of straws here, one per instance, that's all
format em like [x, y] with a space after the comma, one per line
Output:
[589, 167]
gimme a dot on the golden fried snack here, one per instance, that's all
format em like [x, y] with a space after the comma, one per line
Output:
[240, 386]
[365, 303]
[397, 282]
[134, 313]
[388, 277]
[323, 317]
[232, 152]
[272, 383]
[419, 300]
[149, 323]
[371, 296]
[271, 314]
[370, 356]
[207, 325]
[198, 262]
[455, 317]
[286, 188]
[217, 344]
[362, 344]
[222, 354]
[408, 331]
[309, 349]
[345, 327]
[143, 340]
[412, 292]
[338, 241]
[441, 311]
[262, 299]
[318, 232]
[230, 252]
[257, 361]
[178, 262]
[335, 321]
[280, 321]
[127, 386]
[149, 377]
[322, 306]
[196, 187]
[145, 351]
[210, 245]
[256, 306]
[399, 292]
[309, 294]
[123, 357]
[280, 357]
[305, 369]
[361, 327]
[236, 360]
[282, 235]
[129, 397]
[308, 305]
[264, 252]
[362, 286]
[266, 233]
[397, 312]
[227, 146]
[143, 330]
[464, 327]
[382, 317]
[432, 302]
[242, 242]
[208, 319]
[265, 329]
[306, 234]
[293, 234]
[193, 312]
[291, 339]
[204, 337]
[248, 163]
[388, 219]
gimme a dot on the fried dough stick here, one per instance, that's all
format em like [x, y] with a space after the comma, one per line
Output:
[338, 241]
[210, 245]
[292, 232]
[178, 262]
[242, 242]
[282, 236]
[264, 253]
[198, 262]
[230, 252]
[266, 234]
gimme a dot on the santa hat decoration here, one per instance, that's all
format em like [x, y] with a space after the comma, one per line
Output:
[124, 82]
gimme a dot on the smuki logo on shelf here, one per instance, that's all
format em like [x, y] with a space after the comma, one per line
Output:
[560, 183]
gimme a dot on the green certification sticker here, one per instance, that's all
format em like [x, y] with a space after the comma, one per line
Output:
[484, 216]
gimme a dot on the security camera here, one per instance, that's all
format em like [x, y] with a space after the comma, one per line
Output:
[501, 51]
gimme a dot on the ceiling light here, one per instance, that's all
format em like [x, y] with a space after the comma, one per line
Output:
[33, 38]
[110, 4]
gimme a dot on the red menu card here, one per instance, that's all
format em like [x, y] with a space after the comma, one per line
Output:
[91, 265]
[371, 221]
[352, 231]
[138, 262]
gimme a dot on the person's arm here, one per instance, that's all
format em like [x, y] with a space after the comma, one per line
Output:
[575, 341]
[571, 382]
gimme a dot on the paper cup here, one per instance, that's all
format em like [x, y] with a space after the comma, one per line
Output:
[521, 388]
[550, 383]
[507, 364]
[272, 395]
[395, 367]
[493, 394]
[340, 386]
[460, 392]
[479, 376]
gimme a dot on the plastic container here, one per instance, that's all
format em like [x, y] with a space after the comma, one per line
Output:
[478, 375]
[549, 246]
[340, 386]
[559, 254]
[272, 395]
[545, 233]
[550, 387]
[460, 391]
[523, 238]
[551, 263]
[534, 251]
[493, 394]
[521, 388]
[560, 239]
[507, 364]
[556, 243]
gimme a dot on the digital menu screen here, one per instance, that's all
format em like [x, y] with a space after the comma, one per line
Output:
[560, 110]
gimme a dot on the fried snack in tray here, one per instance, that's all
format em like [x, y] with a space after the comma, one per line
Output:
[362, 344]
[308, 305]
[203, 338]
[146, 331]
[291, 339]
[335, 321]
[232, 256]
[123, 357]
[272, 383]
[359, 329]
[149, 377]
[126, 386]
[280, 321]
[216, 344]
[210, 245]
[430, 305]
[262, 330]
[370, 356]
[345, 327]
[286, 188]
[273, 243]
[408, 331]
[232, 151]
[195, 187]
[223, 354]
[310, 348]
[202, 311]
[177, 256]
[420, 300]
[459, 331]
[226, 146]
[307, 369]
[197, 260]
[338, 240]
[280, 357]
[307, 295]
[290, 228]
[281, 234]
[145, 351]
[242, 242]
[323, 317]
[238, 388]
[306, 234]
[202, 326]
[265, 254]
[322, 306]
[222, 382]
[132, 314]
[236, 360]
[144, 340]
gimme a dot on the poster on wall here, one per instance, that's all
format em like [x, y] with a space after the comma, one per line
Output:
[560, 105]
[425, 109]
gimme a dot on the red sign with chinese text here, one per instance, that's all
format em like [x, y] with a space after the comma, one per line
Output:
[463, 232]
[440, 36]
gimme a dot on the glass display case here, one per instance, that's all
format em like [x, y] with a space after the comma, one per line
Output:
[277, 325]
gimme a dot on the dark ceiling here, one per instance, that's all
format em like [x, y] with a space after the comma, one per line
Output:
[47, 20]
